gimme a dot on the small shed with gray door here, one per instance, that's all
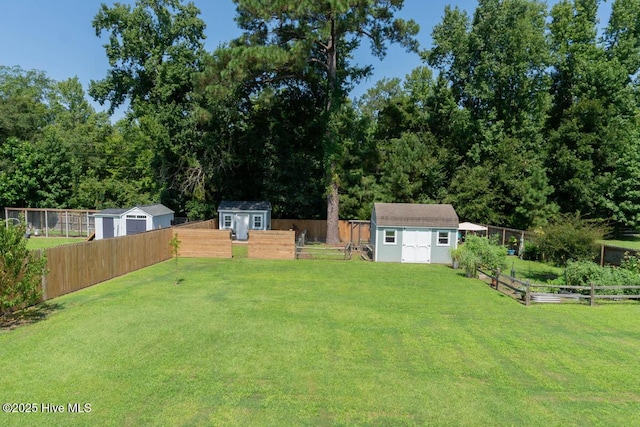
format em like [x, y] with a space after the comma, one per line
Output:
[413, 233]
[107, 223]
[242, 216]
[124, 222]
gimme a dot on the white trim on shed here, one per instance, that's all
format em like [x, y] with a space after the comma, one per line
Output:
[122, 222]
[243, 216]
[413, 233]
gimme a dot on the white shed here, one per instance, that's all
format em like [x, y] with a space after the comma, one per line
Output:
[107, 223]
[124, 222]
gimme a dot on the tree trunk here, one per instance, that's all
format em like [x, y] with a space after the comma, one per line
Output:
[333, 206]
[333, 202]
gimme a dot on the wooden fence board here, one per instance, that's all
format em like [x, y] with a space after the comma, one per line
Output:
[210, 224]
[77, 266]
[204, 243]
[272, 244]
[317, 229]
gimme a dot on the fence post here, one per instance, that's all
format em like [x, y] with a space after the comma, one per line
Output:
[601, 255]
[527, 297]
[593, 294]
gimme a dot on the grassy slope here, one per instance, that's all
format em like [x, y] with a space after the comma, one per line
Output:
[248, 342]
[532, 271]
[49, 242]
[631, 242]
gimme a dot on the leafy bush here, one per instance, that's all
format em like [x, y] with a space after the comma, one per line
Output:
[569, 237]
[531, 252]
[21, 270]
[584, 273]
[479, 251]
[631, 263]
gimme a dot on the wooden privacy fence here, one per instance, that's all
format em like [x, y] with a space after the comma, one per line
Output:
[272, 244]
[210, 224]
[73, 267]
[204, 243]
[350, 230]
[77, 266]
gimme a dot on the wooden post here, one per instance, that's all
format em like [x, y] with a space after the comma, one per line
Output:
[593, 295]
[601, 255]
[527, 297]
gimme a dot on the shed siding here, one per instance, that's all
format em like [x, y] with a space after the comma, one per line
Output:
[153, 217]
[162, 221]
[393, 218]
[244, 216]
[386, 252]
[98, 227]
[440, 254]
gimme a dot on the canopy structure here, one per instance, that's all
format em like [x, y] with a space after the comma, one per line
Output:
[469, 226]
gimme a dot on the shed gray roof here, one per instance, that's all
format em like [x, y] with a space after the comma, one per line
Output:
[415, 215]
[155, 210]
[111, 211]
[231, 205]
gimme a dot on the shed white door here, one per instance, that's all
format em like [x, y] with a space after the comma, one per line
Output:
[242, 226]
[416, 246]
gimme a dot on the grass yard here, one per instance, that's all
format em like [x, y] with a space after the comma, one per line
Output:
[49, 242]
[247, 342]
[631, 242]
[533, 271]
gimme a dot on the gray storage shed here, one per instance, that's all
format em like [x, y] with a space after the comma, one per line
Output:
[242, 216]
[124, 222]
[413, 233]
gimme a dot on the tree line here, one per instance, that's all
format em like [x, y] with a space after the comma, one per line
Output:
[519, 113]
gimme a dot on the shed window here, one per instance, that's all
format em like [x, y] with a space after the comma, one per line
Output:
[257, 222]
[137, 216]
[389, 237]
[226, 221]
[443, 238]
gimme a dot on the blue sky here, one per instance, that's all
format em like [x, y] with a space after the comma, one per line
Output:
[56, 36]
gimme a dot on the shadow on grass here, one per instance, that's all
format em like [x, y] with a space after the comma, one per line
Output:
[541, 277]
[28, 316]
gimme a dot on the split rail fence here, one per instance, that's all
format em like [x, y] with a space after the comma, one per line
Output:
[525, 291]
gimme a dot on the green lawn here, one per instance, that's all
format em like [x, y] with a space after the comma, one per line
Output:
[49, 242]
[532, 271]
[247, 342]
[631, 242]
